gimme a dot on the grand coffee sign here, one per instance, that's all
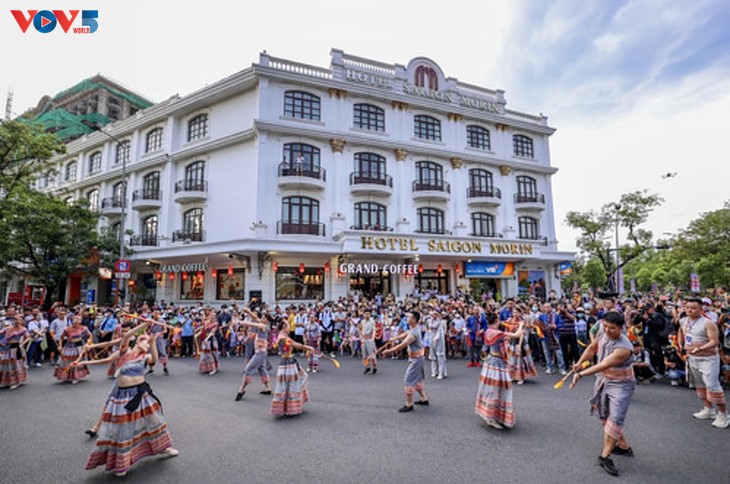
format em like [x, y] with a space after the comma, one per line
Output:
[440, 246]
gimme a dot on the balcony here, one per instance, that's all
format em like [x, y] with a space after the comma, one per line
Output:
[371, 184]
[303, 228]
[488, 196]
[144, 241]
[187, 236]
[431, 191]
[374, 228]
[306, 177]
[531, 201]
[145, 198]
[187, 191]
[111, 206]
[537, 240]
[488, 235]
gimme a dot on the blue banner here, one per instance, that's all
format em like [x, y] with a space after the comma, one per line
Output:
[488, 269]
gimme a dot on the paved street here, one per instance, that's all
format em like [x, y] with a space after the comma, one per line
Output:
[351, 432]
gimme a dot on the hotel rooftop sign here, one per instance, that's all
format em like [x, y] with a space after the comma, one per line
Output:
[443, 246]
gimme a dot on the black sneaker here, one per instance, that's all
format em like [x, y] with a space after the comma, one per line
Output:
[90, 433]
[422, 402]
[367, 370]
[265, 392]
[239, 396]
[149, 372]
[166, 371]
[608, 465]
[375, 370]
[628, 452]
[406, 408]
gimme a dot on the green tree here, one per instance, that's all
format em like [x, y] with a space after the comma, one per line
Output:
[596, 229]
[593, 274]
[45, 238]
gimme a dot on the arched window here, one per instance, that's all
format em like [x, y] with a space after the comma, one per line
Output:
[193, 224]
[477, 137]
[526, 189]
[300, 215]
[369, 168]
[151, 186]
[154, 140]
[95, 162]
[195, 176]
[118, 193]
[198, 127]
[482, 224]
[426, 73]
[480, 182]
[426, 127]
[302, 105]
[93, 197]
[430, 220]
[370, 216]
[116, 229]
[307, 155]
[429, 174]
[122, 152]
[522, 146]
[69, 173]
[528, 228]
[369, 117]
[149, 230]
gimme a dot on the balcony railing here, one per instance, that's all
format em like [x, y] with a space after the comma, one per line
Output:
[300, 228]
[491, 235]
[191, 186]
[188, 235]
[376, 228]
[144, 240]
[360, 178]
[146, 194]
[433, 232]
[479, 192]
[112, 202]
[419, 186]
[317, 173]
[538, 239]
[529, 198]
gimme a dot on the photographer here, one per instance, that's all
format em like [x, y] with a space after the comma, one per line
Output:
[654, 325]
[674, 365]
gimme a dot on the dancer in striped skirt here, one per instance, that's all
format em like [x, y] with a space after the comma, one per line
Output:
[521, 365]
[208, 362]
[72, 340]
[259, 362]
[12, 360]
[133, 425]
[313, 337]
[291, 391]
[414, 373]
[494, 395]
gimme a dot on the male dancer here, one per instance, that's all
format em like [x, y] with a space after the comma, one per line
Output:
[414, 372]
[259, 362]
[366, 329]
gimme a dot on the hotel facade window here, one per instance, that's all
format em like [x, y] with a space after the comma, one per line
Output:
[151, 186]
[480, 182]
[149, 231]
[430, 220]
[93, 197]
[69, 174]
[195, 176]
[301, 105]
[193, 286]
[528, 228]
[198, 127]
[95, 162]
[369, 117]
[122, 155]
[302, 157]
[478, 137]
[293, 284]
[370, 216]
[193, 225]
[426, 127]
[482, 224]
[300, 215]
[369, 168]
[522, 146]
[231, 285]
[154, 140]
[429, 174]
[119, 193]
[526, 189]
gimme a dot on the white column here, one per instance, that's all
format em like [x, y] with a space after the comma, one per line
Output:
[458, 198]
[401, 190]
[337, 180]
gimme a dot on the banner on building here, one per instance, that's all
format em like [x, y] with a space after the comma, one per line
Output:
[489, 269]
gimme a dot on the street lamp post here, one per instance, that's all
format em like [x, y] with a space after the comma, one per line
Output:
[617, 207]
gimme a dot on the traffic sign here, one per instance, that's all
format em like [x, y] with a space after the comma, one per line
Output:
[122, 275]
[122, 265]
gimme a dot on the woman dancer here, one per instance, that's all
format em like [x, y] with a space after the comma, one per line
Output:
[208, 362]
[414, 373]
[133, 425]
[72, 339]
[259, 329]
[291, 391]
[521, 365]
[494, 395]
[12, 361]
[313, 337]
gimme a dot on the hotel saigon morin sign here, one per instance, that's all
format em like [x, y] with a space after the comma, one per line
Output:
[404, 244]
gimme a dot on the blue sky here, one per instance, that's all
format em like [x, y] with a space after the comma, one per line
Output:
[635, 88]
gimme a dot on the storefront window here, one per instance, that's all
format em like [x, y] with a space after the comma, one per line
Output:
[193, 286]
[293, 284]
[531, 283]
[231, 286]
[429, 280]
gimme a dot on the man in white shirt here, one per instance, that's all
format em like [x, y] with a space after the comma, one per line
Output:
[55, 330]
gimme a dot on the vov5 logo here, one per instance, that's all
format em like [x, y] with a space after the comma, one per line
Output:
[45, 21]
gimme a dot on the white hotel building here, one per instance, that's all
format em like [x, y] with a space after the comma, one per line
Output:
[295, 182]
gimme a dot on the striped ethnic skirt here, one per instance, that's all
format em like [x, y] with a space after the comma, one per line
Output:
[291, 391]
[521, 365]
[12, 367]
[494, 395]
[208, 361]
[65, 370]
[127, 436]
